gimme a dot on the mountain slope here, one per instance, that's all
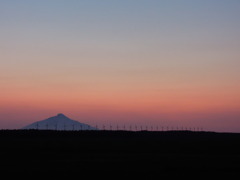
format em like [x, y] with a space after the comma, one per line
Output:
[59, 122]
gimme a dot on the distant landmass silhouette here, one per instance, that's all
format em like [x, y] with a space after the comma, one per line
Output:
[120, 154]
[59, 122]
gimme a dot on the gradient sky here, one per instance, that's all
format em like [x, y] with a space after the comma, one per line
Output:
[145, 62]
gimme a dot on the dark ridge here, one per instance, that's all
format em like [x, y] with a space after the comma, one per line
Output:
[126, 153]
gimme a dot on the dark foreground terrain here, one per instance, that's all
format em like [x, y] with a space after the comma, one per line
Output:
[118, 154]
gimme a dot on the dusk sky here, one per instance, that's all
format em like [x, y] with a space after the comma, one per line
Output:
[126, 62]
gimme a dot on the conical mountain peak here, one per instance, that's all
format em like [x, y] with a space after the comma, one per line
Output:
[59, 122]
[61, 115]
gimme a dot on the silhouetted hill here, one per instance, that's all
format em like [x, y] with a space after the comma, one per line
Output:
[59, 122]
[125, 153]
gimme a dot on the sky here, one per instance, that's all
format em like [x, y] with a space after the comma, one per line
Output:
[121, 62]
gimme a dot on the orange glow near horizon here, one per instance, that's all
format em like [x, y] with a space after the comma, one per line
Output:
[121, 108]
[127, 101]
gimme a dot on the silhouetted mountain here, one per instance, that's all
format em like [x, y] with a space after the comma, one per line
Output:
[59, 122]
